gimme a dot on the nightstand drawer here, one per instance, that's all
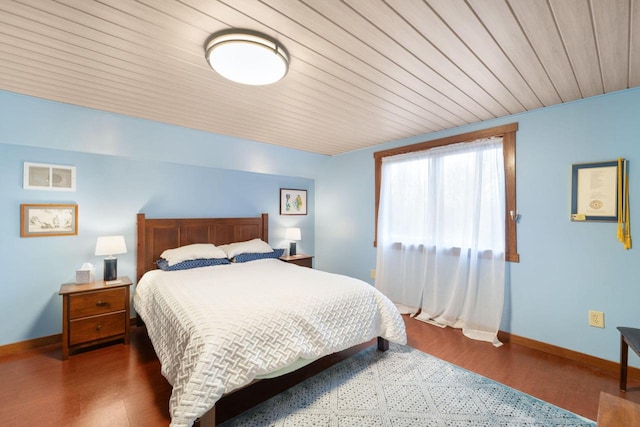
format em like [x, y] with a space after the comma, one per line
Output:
[305, 262]
[97, 327]
[96, 302]
[302, 260]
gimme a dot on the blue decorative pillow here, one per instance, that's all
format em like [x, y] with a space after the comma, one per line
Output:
[277, 253]
[192, 263]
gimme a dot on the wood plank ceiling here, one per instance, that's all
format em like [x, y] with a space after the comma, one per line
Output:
[362, 72]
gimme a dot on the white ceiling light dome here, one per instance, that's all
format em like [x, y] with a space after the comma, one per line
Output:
[247, 57]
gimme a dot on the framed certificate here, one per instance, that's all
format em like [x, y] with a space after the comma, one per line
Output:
[594, 191]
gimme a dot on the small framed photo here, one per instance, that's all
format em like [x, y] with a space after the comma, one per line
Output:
[41, 176]
[595, 191]
[293, 202]
[48, 220]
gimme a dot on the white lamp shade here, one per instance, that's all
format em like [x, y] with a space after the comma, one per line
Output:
[292, 234]
[247, 57]
[111, 245]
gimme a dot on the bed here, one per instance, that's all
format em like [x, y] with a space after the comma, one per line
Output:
[230, 335]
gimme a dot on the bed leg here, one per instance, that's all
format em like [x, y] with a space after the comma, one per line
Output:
[383, 344]
[208, 419]
[139, 321]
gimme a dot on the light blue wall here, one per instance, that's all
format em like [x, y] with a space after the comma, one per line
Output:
[39, 123]
[566, 268]
[116, 184]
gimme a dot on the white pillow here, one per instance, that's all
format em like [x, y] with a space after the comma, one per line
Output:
[195, 251]
[255, 246]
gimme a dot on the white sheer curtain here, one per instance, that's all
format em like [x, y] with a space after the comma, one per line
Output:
[441, 235]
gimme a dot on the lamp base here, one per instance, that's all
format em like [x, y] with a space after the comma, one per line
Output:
[292, 249]
[110, 269]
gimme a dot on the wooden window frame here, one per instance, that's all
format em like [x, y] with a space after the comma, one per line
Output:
[508, 134]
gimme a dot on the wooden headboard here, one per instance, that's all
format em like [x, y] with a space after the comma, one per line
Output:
[156, 235]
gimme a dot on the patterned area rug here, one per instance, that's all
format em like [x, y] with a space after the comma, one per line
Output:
[403, 387]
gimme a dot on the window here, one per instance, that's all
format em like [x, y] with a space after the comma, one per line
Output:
[507, 132]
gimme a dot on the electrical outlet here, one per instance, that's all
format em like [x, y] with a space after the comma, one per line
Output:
[372, 273]
[596, 318]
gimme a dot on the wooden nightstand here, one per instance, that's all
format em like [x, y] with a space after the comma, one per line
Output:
[94, 313]
[300, 259]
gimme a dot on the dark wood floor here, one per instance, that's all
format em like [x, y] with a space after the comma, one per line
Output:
[122, 385]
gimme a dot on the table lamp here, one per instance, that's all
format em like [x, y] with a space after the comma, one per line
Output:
[110, 246]
[292, 234]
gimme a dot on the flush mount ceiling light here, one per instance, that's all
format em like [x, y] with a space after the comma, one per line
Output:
[247, 57]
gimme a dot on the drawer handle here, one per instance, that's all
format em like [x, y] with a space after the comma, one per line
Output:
[99, 327]
[101, 304]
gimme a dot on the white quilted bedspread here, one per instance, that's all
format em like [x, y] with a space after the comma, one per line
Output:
[215, 328]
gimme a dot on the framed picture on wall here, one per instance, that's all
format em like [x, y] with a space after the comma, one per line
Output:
[595, 191]
[293, 202]
[41, 176]
[38, 220]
